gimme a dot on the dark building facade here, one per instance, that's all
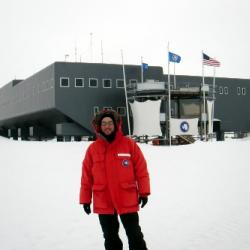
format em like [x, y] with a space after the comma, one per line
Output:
[232, 100]
[61, 99]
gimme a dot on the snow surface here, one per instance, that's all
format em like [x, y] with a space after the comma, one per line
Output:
[200, 197]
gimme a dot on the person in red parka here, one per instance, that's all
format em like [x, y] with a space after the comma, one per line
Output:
[114, 173]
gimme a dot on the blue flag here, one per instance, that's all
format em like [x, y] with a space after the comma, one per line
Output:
[173, 57]
[144, 66]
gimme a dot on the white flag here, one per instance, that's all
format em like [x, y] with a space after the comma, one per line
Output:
[184, 126]
[146, 117]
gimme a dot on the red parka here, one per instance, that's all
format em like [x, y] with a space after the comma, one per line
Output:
[116, 174]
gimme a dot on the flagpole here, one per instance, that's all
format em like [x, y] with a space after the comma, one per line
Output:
[141, 69]
[125, 91]
[204, 101]
[174, 78]
[91, 47]
[169, 101]
[75, 53]
[214, 84]
[212, 125]
[203, 81]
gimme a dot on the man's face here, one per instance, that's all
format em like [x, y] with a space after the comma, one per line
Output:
[107, 125]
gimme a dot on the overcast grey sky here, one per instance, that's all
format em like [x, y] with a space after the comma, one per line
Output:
[36, 33]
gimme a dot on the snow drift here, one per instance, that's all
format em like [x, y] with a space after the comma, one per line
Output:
[200, 197]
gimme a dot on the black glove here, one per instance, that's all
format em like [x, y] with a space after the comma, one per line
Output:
[143, 201]
[87, 208]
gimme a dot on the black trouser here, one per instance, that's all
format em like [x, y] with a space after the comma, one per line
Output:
[110, 228]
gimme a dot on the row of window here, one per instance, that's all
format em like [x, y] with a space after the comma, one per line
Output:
[240, 91]
[223, 90]
[120, 110]
[93, 82]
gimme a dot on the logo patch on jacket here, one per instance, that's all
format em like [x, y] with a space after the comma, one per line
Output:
[125, 163]
[123, 155]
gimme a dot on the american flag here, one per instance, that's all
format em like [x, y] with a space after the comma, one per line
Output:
[210, 61]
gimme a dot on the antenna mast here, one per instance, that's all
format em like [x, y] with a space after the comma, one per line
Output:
[101, 51]
[91, 47]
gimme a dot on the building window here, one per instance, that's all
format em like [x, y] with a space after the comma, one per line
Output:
[221, 90]
[243, 91]
[64, 82]
[79, 82]
[106, 83]
[96, 110]
[121, 111]
[226, 90]
[238, 91]
[93, 83]
[119, 83]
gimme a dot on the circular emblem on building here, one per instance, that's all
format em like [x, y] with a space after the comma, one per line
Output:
[125, 163]
[184, 126]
